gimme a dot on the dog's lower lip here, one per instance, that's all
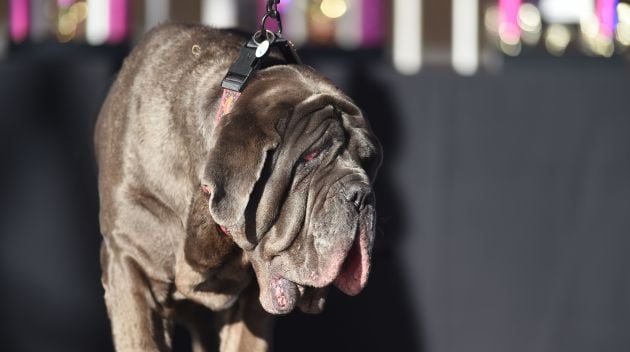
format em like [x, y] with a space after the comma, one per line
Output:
[284, 294]
[355, 268]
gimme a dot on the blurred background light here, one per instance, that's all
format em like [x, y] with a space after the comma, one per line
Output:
[156, 12]
[18, 19]
[348, 32]
[623, 13]
[491, 20]
[465, 31]
[4, 35]
[373, 26]
[599, 27]
[41, 12]
[97, 26]
[603, 46]
[565, 11]
[295, 21]
[589, 26]
[623, 24]
[607, 15]
[321, 28]
[509, 31]
[67, 25]
[219, 13]
[70, 18]
[407, 36]
[557, 38]
[118, 21]
[530, 23]
[623, 35]
[333, 8]
[511, 48]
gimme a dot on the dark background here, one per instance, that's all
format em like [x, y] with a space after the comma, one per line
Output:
[504, 207]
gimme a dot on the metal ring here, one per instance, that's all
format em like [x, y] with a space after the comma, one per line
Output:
[270, 36]
[279, 21]
[263, 22]
[196, 50]
[276, 16]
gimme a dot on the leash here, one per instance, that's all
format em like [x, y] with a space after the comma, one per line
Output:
[253, 56]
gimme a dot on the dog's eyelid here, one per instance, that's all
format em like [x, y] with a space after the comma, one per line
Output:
[315, 151]
[329, 139]
[311, 154]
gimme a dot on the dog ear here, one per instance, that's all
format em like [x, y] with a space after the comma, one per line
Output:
[362, 142]
[205, 247]
[239, 149]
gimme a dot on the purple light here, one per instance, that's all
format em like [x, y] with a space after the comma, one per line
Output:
[606, 11]
[65, 3]
[508, 16]
[283, 4]
[18, 14]
[372, 23]
[117, 21]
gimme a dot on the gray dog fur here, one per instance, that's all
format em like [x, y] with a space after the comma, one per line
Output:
[301, 224]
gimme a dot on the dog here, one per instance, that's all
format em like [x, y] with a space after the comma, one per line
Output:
[249, 216]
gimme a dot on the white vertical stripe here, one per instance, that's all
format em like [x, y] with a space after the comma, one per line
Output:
[156, 12]
[465, 28]
[4, 36]
[295, 21]
[4, 29]
[348, 31]
[219, 13]
[407, 46]
[97, 26]
[566, 11]
[39, 19]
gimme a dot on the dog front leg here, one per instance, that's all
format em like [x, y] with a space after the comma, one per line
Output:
[136, 322]
[245, 326]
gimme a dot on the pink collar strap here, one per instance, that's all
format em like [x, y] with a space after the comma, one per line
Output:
[227, 104]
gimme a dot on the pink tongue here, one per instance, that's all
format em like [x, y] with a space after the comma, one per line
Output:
[356, 267]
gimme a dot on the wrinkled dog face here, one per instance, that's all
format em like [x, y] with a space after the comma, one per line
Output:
[290, 171]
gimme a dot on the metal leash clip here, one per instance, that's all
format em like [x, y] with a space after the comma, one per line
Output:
[272, 12]
[257, 48]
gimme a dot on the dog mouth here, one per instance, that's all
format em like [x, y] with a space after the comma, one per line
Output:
[350, 279]
[286, 295]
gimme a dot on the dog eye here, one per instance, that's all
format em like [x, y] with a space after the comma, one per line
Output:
[310, 156]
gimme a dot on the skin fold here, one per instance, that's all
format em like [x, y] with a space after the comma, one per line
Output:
[287, 211]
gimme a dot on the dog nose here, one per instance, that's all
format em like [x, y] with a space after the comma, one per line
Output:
[359, 195]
